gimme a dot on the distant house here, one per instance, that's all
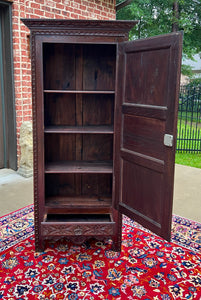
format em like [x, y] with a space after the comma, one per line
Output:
[195, 65]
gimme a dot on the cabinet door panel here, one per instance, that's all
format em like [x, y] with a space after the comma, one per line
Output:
[147, 102]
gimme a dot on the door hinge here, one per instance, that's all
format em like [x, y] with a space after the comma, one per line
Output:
[168, 140]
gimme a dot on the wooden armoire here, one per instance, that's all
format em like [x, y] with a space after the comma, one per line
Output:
[104, 128]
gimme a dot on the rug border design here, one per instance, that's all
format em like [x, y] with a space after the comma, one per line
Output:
[19, 237]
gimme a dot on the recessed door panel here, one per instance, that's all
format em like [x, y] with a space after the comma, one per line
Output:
[150, 84]
[143, 135]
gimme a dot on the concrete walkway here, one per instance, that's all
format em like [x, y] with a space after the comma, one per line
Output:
[187, 192]
[17, 192]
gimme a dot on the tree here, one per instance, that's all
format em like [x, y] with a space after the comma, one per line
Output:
[159, 17]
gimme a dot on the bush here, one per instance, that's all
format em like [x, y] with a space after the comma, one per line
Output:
[195, 82]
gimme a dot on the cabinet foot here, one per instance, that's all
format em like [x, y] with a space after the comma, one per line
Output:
[116, 246]
[40, 246]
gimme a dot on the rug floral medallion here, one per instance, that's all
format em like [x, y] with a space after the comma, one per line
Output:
[147, 268]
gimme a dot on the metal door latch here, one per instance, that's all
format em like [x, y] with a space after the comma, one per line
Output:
[168, 140]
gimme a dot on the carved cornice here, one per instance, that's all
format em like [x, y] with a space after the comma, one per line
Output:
[58, 24]
[80, 28]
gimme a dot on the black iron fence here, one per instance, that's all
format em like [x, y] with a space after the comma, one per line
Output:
[189, 120]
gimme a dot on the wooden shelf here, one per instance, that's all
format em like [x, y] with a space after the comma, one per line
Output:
[79, 167]
[78, 92]
[80, 129]
[81, 202]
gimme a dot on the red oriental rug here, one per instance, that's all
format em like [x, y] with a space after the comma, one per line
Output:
[148, 267]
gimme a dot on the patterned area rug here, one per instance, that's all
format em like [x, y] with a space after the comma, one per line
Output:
[148, 267]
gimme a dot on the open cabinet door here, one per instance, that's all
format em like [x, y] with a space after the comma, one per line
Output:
[148, 76]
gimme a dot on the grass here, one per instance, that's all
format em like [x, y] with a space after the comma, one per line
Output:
[188, 159]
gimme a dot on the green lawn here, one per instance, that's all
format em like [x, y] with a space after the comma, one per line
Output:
[188, 159]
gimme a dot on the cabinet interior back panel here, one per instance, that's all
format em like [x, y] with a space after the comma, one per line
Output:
[99, 63]
[98, 109]
[71, 147]
[59, 66]
[60, 109]
[71, 185]
[70, 67]
[63, 109]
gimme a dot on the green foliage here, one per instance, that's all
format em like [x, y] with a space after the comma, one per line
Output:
[194, 82]
[187, 71]
[156, 17]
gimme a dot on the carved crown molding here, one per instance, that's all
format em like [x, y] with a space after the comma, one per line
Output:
[58, 24]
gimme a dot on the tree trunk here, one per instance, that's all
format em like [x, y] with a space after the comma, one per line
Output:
[175, 9]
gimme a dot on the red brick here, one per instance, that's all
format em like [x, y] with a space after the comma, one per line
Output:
[83, 7]
[59, 6]
[56, 11]
[34, 5]
[27, 118]
[40, 1]
[73, 15]
[39, 12]
[49, 15]
[66, 14]
[77, 11]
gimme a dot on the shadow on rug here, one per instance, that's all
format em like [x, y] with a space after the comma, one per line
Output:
[147, 268]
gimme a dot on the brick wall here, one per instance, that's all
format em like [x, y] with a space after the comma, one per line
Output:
[68, 9]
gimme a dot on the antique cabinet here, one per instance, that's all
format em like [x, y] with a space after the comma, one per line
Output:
[104, 128]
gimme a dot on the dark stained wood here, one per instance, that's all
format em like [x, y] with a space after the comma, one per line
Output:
[73, 115]
[80, 129]
[87, 156]
[64, 149]
[75, 225]
[94, 147]
[83, 202]
[143, 135]
[79, 167]
[144, 110]
[78, 92]
[78, 114]
[142, 160]
[98, 110]
[59, 61]
[78, 218]
[149, 99]
[151, 84]
[99, 74]
[54, 107]
[97, 147]
[96, 183]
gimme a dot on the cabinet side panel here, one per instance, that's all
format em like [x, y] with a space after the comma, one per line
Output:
[38, 137]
